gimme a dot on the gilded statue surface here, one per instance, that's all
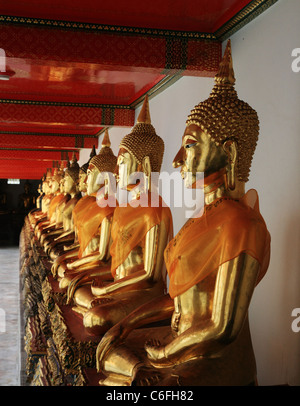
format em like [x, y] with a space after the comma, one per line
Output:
[40, 215]
[213, 263]
[72, 251]
[93, 223]
[62, 232]
[139, 236]
[54, 199]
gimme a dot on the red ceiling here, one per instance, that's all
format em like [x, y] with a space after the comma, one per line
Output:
[78, 67]
[191, 15]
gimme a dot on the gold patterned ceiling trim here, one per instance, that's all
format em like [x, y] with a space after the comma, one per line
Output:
[50, 103]
[158, 88]
[36, 149]
[104, 28]
[243, 17]
[41, 134]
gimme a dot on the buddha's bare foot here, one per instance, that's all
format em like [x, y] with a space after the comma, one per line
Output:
[146, 377]
[100, 300]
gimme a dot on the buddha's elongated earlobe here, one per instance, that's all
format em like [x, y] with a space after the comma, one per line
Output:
[147, 172]
[231, 151]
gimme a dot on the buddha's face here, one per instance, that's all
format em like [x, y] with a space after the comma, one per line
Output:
[44, 187]
[127, 166]
[198, 156]
[68, 184]
[92, 179]
[54, 185]
[82, 181]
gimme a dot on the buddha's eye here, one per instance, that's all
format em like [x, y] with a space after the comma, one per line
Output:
[190, 145]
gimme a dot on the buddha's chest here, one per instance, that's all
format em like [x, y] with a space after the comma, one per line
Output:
[194, 305]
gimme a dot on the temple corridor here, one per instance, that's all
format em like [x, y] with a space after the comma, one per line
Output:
[10, 358]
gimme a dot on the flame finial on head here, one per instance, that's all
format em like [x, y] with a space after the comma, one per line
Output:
[105, 160]
[106, 140]
[73, 169]
[144, 116]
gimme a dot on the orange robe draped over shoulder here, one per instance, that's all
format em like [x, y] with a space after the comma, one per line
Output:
[89, 222]
[54, 203]
[227, 228]
[81, 207]
[130, 225]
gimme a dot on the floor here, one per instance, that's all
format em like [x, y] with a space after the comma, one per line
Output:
[10, 336]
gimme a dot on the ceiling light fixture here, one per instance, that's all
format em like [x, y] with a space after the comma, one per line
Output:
[7, 74]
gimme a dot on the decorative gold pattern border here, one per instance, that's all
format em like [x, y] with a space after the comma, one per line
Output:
[50, 103]
[50, 134]
[243, 17]
[38, 149]
[158, 88]
[247, 14]
[104, 28]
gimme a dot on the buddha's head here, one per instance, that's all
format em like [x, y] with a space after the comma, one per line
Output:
[140, 151]
[100, 165]
[56, 179]
[221, 132]
[71, 177]
[83, 173]
[46, 182]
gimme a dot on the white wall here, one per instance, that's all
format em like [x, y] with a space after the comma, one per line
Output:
[262, 63]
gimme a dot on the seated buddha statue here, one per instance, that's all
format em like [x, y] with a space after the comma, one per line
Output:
[56, 226]
[93, 222]
[45, 227]
[57, 196]
[65, 235]
[41, 214]
[57, 216]
[72, 250]
[38, 209]
[47, 191]
[214, 262]
[140, 233]
[39, 198]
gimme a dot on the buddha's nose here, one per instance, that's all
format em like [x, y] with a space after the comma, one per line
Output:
[179, 158]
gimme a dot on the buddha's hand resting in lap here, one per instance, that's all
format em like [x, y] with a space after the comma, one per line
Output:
[156, 354]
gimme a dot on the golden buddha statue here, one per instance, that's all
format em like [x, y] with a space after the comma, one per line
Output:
[72, 250]
[47, 191]
[55, 241]
[93, 223]
[44, 202]
[43, 229]
[58, 193]
[59, 209]
[57, 196]
[33, 215]
[40, 197]
[214, 262]
[140, 233]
